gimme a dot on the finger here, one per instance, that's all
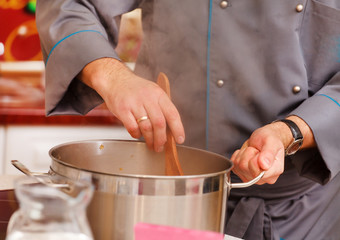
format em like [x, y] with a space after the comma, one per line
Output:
[124, 113]
[173, 119]
[234, 157]
[159, 126]
[242, 163]
[145, 126]
[244, 147]
[254, 167]
[131, 125]
[147, 132]
[248, 163]
[277, 168]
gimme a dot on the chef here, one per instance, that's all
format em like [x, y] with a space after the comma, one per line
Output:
[255, 80]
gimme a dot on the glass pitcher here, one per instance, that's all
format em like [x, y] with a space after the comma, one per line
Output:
[51, 207]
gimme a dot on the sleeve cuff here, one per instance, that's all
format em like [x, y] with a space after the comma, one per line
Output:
[322, 164]
[64, 93]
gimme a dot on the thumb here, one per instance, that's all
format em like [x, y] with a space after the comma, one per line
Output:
[268, 155]
[265, 160]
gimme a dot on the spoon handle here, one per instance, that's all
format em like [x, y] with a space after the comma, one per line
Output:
[172, 164]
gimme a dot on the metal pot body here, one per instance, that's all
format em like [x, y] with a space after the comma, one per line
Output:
[130, 186]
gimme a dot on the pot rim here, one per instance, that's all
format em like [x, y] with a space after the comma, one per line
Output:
[137, 175]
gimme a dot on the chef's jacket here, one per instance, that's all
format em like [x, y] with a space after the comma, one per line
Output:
[234, 66]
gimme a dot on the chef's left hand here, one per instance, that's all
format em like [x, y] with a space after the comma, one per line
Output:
[263, 151]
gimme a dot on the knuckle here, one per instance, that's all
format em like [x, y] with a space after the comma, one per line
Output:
[160, 140]
[133, 130]
[131, 127]
[159, 122]
[261, 182]
[173, 115]
[271, 180]
[123, 107]
[255, 174]
[281, 171]
[234, 156]
[159, 143]
[243, 166]
[146, 127]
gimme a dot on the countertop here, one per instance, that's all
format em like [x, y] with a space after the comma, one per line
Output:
[7, 181]
[36, 116]
[8, 202]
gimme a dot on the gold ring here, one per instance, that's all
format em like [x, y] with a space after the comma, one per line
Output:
[142, 119]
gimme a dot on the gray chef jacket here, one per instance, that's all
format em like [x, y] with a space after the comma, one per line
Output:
[234, 66]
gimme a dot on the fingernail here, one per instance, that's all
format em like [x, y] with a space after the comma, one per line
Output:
[180, 139]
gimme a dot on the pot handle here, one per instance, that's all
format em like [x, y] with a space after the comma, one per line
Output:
[40, 177]
[247, 184]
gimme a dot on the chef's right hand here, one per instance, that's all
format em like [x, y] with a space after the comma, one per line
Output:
[130, 98]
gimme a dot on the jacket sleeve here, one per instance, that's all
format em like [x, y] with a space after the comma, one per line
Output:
[72, 34]
[322, 114]
[320, 43]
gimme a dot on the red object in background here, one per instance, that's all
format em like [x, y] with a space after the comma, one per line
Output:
[18, 32]
[8, 205]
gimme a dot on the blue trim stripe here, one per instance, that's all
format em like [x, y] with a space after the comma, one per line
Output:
[208, 78]
[66, 38]
[337, 103]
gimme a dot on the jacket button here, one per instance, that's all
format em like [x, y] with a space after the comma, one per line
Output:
[220, 83]
[224, 4]
[299, 8]
[296, 89]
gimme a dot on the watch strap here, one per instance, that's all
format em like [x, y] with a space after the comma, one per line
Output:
[297, 136]
[293, 128]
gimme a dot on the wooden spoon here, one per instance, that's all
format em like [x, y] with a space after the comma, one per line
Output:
[172, 165]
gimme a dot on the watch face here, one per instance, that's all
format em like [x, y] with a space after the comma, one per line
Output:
[294, 146]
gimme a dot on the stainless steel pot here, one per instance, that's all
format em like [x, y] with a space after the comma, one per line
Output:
[130, 186]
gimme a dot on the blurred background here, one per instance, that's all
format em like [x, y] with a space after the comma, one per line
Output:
[25, 133]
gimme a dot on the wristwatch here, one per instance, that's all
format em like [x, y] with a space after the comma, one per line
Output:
[295, 145]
